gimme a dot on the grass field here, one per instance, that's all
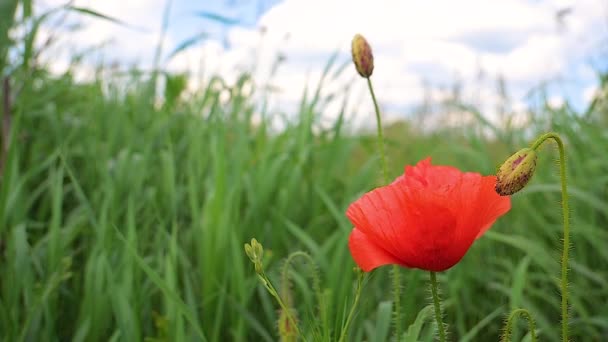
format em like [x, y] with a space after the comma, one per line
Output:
[125, 220]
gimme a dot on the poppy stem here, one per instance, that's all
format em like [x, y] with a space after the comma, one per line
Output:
[437, 303]
[380, 135]
[395, 271]
[566, 217]
[509, 327]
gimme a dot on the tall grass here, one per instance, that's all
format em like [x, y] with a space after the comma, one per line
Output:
[124, 220]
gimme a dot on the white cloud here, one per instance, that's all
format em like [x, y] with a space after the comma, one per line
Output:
[556, 101]
[412, 41]
[133, 42]
[589, 93]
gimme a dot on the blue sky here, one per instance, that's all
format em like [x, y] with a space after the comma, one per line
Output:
[433, 42]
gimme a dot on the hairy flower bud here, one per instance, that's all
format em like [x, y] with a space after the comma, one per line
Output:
[515, 172]
[362, 56]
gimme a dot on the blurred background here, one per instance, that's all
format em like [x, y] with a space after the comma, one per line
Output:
[144, 142]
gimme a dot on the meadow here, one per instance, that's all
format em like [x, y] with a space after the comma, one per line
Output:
[123, 218]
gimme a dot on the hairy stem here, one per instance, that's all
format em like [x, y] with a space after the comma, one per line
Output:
[380, 134]
[566, 217]
[314, 275]
[282, 304]
[395, 271]
[437, 303]
[509, 326]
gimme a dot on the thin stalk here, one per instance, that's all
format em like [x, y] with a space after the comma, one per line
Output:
[380, 134]
[566, 217]
[437, 304]
[282, 304]
[509, 327]
[395, 271]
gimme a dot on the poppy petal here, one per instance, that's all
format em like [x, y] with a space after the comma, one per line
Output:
[379, 214]
[427, 218]
[432, 176]
[490, 205]
[366, 253]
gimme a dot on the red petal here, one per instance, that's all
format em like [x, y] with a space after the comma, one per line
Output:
[432, 176]
[409, 223]
[380, 216]
[430, 240]
[366, 253]
[428, 218]
[490, 205]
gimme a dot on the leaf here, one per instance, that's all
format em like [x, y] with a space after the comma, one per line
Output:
[218, 18]
[98, 15]
[167, 291]
[186, 44]
[470, 336]
[413, 332]
[383, 321]
[519, 282]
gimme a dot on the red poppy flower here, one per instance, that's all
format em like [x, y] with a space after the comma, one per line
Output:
[427, 218]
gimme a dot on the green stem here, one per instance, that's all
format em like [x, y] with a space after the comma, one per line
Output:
[437, 304]
[314, 275]
[566, 217]
[380, 135]
[344, 333]
[284, 307]
[395, 271]
[509, 327]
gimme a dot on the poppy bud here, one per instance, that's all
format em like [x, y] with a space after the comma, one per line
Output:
[515, 172]
[362, 56]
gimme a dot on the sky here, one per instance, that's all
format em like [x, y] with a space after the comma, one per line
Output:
[421, 48]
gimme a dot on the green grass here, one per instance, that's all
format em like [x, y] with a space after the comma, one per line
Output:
[123, 220]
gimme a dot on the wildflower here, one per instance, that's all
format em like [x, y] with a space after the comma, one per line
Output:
[515, 172]
[427, 218]
[362, 56]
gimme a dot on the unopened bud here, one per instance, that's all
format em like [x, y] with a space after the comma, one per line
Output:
[249, 252]
[515, 172]
[255, 250]
[258, 249]
[362, 56]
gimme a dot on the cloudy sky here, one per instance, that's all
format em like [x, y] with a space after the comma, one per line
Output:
[417, 44]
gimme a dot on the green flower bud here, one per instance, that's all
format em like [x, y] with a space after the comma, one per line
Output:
[362, 56]
[255, 250]
[249, 252]
[258, 249]
[515, 172]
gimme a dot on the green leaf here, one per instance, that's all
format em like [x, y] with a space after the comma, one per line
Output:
[413, 332]
[383, 321]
